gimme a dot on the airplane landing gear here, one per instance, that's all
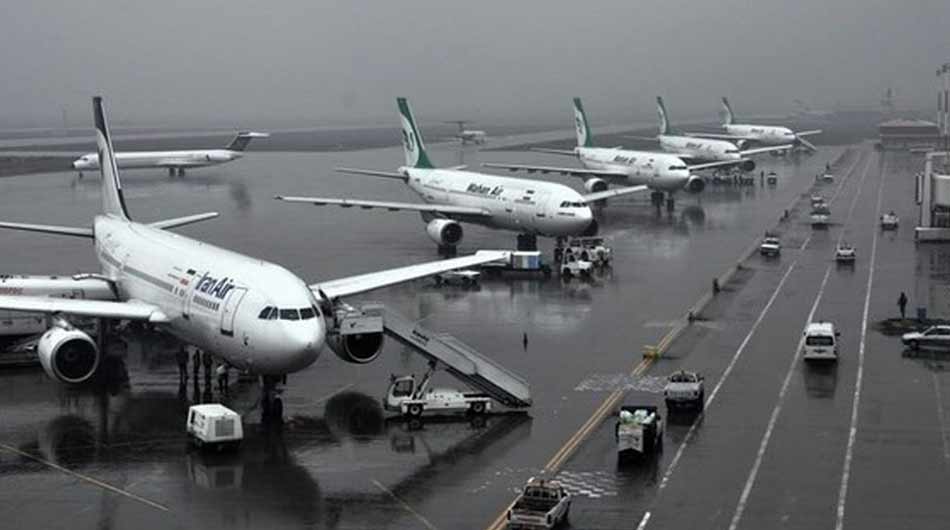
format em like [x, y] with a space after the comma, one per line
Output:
[670, 203]
[171, 172]
[656, 197]
[448, 251]
[527, 242]
[272, 407]
[181, 172]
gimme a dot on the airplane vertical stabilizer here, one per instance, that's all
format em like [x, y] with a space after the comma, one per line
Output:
[664, 119]
[113, 203]
[728, 118]
[581, 127]
[412, 145]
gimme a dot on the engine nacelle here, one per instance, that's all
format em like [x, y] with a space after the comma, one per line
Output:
[595, 185]
[695, 184]
[68, 354]
[356, 348]
[445, 232]
[747, 165]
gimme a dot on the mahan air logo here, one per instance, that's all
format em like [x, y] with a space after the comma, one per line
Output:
[409, 140]
[579, 123]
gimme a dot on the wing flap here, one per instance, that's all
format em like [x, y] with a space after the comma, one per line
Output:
[444, 209]
[375, 280]
[131, 310]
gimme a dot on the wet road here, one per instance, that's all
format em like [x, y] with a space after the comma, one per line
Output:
[117, 456]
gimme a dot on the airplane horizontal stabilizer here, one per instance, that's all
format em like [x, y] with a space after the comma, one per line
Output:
[50, 229]
[372, 173]
[182, 221]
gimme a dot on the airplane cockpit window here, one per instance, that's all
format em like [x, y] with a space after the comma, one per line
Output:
[289, 314]
[732, 151]
[307, 313]
[265, 313]
[677, 168]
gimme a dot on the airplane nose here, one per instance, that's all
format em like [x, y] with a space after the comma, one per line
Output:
[303, 341]
[587, 223]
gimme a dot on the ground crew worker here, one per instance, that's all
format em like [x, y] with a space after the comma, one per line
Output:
[182, 357]
[222, 372]
[207, 362]
[196, 361]
[902, 304]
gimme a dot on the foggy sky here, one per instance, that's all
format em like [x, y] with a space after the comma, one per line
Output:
[313, 62]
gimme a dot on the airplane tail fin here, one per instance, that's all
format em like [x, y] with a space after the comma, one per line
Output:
[113, 203]
[412, 144]
[728, 118]
[239, 143]
[665, 127]
[581, 127]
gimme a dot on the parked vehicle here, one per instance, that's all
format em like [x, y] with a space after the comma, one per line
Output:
[464, 277]
[541, 504]
[214, 425]
[593, 249]
[933, 337]
[413, 400]
[572, 265]
[684, 390]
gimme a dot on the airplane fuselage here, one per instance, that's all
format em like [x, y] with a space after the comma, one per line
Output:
[700, 149]
[213, 297]
[525, 206]
[659, 171]
[163, 159]
[762, 134]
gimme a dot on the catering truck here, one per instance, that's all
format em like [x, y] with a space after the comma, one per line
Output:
[639, 431]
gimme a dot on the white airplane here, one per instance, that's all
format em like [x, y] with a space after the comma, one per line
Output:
[453, 196]
[174, 160]
[705, 149]
[758, 134]
[257, 316]
[469, 135]
[660, 172]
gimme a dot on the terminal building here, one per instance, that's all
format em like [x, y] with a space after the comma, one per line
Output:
[901, 134]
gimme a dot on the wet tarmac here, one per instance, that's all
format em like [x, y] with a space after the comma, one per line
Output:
[116, 456]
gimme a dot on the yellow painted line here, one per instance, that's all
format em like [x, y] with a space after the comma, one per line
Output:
[408, 508]
[85, 478]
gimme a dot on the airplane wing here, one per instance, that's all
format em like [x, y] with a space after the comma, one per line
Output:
[718, 163]
[569, 152]
[569, 171]
[770, 149]
[808, 133]
[375, 280]
[644, 138]
[372, 173]
[616, 192]
[807, 144]
[131, 310]
[444, 209]
[180, 162]
[721, 136]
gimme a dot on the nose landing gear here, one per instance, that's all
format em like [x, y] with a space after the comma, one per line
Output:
[272, 406]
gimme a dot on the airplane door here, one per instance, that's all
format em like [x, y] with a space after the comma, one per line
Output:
[229, 310]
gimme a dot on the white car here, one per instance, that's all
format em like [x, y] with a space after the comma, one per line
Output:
[771, 246]
[465, 277]
[684, 389]
[889, 221]
[572, 266]
[934, 336]
[845, 253]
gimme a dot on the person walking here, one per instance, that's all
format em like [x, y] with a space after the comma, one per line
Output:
[902, 304]
[222, 373]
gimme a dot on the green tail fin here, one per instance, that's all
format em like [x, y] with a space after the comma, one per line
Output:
[581, 127]
[412, 144]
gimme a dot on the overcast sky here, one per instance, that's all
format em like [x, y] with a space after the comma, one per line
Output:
[313, 61]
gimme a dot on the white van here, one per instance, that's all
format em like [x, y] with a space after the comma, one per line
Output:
[821, 342]
[214, 425]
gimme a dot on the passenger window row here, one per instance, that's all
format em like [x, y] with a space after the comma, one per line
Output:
[273, 313]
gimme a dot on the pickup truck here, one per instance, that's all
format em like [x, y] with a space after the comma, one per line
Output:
[541, 504]
[574, 266]
[412, 400]
[684, 389]
[639, 431]
[464, 277]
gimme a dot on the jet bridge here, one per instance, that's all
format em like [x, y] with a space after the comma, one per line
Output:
[458, 359]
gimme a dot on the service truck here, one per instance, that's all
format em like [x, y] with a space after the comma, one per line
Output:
[412, 400]
[214, 425]
[639, 431]
[541, 504]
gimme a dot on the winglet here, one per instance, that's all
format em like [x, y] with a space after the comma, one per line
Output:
[113, 203]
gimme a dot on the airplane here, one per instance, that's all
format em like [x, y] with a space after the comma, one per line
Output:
[469, 135]
[174, 160]
[759, 134]
[660, 172]
[453, 196]
[699, 149]
[258, 316]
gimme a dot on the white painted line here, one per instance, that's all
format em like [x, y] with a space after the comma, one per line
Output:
[766, 438]
[856, 400]
[86, 478]
[408, 508]
[644, 521]
[942, 418]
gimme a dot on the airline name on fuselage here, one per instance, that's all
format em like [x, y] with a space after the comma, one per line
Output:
[211, 286]
[485, 190]
[630, 160]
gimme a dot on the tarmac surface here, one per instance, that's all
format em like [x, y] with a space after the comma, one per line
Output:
[770, 451]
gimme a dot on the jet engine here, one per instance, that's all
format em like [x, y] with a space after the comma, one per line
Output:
[445, 232]
[356, 348]
[68, 354]
[747, 165]
[595, 185]
[695, 184]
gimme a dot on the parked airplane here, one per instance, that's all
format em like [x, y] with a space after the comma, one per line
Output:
[705, 149]
[661, 172]
[469, 135]
[174, 160]
[258, 316]
[453, 196]
[758, 134]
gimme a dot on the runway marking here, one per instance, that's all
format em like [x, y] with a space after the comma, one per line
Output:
[941, 418]
[776, 411]
[856, 400]
[405, 505]
[644, 521]
[335, 392]
[85, 478]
